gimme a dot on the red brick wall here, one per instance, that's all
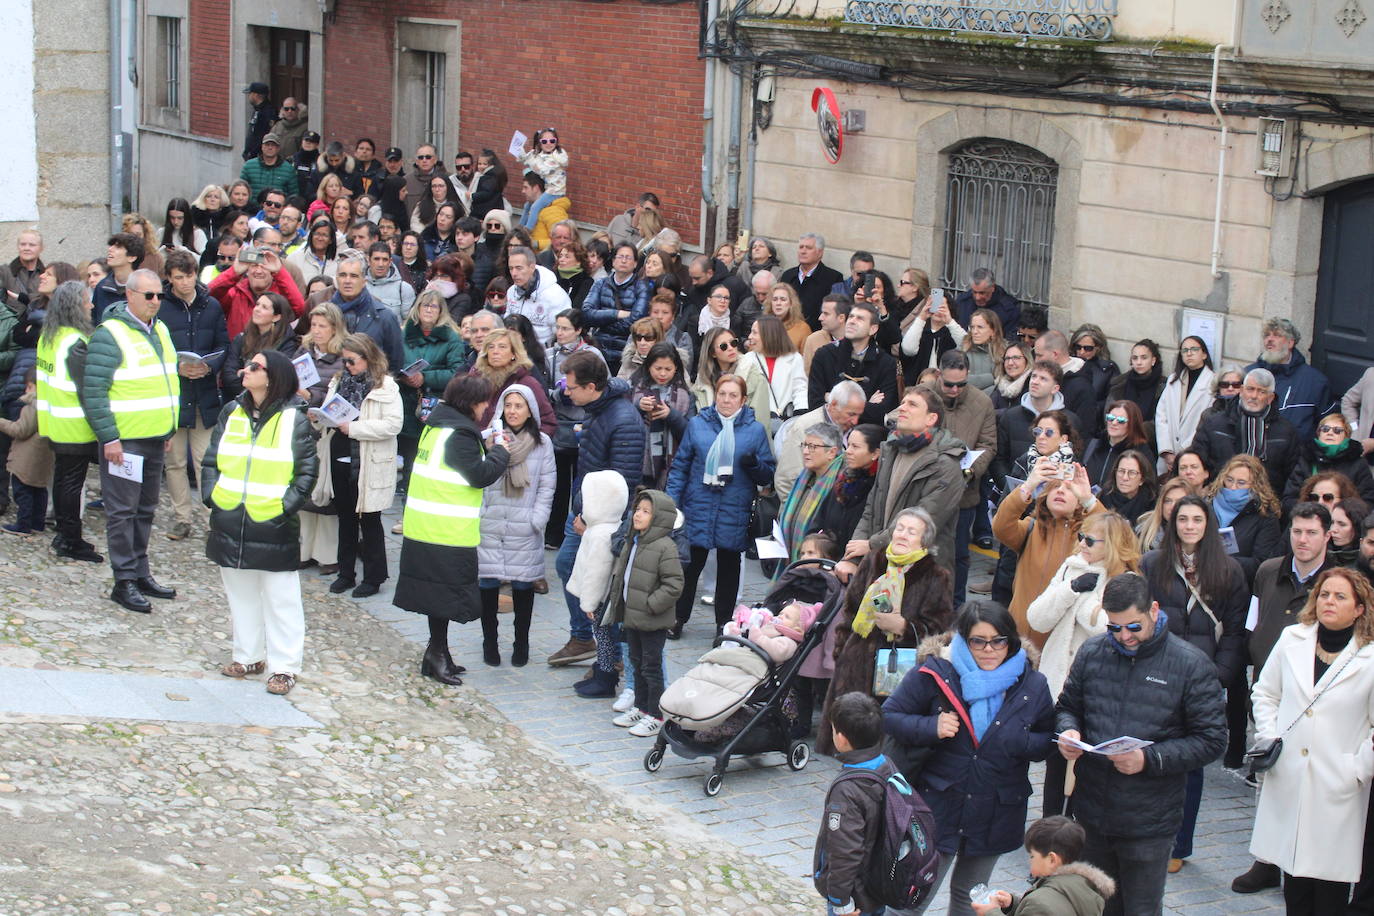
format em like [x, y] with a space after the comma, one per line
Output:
[620, 81]
[208, 62]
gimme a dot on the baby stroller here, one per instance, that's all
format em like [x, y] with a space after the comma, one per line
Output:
[748, 688]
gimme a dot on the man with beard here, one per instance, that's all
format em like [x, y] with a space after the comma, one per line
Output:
[1303, 393]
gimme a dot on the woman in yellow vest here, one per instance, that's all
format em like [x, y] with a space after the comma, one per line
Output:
[66, 329]
[455, 460]
[257, 474]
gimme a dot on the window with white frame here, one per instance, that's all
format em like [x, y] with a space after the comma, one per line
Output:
[999, 213]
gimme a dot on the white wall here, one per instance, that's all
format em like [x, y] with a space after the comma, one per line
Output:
[20, 200]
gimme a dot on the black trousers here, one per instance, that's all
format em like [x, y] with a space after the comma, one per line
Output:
[1314, 897]
[727, 584]
[565, 463]
[646, 652]
[68, 480]
[351, 522]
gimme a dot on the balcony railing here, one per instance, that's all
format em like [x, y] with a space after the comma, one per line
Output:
[1084, 20]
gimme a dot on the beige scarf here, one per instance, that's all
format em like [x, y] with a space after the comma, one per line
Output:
[517, 475]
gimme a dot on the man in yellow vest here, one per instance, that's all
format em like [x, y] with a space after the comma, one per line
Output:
[131, 393]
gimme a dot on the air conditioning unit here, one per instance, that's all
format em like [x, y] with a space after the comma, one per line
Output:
[1277, 139]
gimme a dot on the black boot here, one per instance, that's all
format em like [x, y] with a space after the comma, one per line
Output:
[524, 610]
[491, 598]
[436, 665]
[1261, 876]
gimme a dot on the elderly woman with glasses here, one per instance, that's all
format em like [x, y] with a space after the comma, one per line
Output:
[1333, 449]
[996, 719]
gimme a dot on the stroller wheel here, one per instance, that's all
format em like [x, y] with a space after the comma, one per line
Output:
[712, 786]
[798, 755]
[653, 759]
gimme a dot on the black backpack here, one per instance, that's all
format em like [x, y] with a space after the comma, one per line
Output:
[904, 862]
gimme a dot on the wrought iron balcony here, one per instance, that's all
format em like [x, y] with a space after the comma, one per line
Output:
[1084, 20]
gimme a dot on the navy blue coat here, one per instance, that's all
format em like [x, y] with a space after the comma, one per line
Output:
[1301, 392]
[613, 437]
[719, 516]
[978, 794]
[364, 316]
[605, 299]
[200, 328]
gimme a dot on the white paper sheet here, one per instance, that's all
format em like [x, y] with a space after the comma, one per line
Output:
[966, 462]
[517, 144]
[131, 469]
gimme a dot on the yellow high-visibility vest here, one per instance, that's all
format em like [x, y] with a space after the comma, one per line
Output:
[145, 396]
[255, 471]
[441, 507]
[60, 416]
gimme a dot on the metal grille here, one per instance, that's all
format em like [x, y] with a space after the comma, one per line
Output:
[169, 42]
[1085, 20]
[435, 65]
[999, 213]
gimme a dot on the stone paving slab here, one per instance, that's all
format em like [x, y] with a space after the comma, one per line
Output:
[93, 694]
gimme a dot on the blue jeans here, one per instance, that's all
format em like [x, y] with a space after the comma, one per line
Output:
[579, 627]
[963, 533]
[1192, 801]
[982, 521]
[531, 216]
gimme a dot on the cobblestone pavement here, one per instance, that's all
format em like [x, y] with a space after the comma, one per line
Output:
[134, 778]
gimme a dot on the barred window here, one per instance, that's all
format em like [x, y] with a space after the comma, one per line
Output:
[435, 65]
[999, 213]
[167, 78]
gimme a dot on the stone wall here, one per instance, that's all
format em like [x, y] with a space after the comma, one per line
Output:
[1133, 228]
[71, 108]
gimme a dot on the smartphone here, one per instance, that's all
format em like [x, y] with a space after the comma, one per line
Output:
[870, 283]
[937, 300]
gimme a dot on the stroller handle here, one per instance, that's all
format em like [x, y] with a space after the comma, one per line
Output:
[822, 562]
[740, 640]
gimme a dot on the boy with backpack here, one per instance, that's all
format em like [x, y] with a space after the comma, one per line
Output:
[1063, 886]
[876, 846]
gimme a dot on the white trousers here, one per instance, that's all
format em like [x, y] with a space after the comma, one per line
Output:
[268, 618]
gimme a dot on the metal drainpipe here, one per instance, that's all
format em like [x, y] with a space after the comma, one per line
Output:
[751, 159]
[708, 114]
[1221, 162]
[732, 157]
[116, 141]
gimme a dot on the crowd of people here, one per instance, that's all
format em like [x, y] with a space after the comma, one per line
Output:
[1183, 551]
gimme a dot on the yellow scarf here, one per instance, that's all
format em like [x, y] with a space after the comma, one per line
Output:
[886, 590]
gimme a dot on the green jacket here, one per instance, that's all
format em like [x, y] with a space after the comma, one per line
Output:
[656, 579]
[1077, 889]
[102, 358]
[9, 322]
[261, 177]
[446, 354]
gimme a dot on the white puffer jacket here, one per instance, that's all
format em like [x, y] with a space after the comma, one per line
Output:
[1071, 618]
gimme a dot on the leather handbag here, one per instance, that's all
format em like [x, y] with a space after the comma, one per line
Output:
[1263, 755]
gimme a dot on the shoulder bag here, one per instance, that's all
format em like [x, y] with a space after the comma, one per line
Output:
[1264, 755]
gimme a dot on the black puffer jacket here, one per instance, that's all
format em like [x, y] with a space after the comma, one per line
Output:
[612, 438]
[238, 542]
[1228, 652]
[1167, 693]
[197, 326]
[1216, 442]
[1349, 460]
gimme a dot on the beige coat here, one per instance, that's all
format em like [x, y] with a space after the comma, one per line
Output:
[31, 454]
[1312, 804]
[375, 431]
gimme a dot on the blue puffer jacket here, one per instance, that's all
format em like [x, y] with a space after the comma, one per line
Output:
[977, 793]
[605, 299]
[612, 438]
[719, 516]
[198, 327]
[1301, 392]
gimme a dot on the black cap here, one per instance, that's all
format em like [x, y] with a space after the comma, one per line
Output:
[259, 88]
[394, 152]
[312, 136]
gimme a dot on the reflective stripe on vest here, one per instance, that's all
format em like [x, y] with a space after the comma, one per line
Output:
[255, 472]
[146, 390]
[441, 508]
[60, 416]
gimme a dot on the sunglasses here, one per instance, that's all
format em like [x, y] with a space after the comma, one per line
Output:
[1084, 348]
[1116, 418]
[1038, 431]
[905, 283]
[727, 345]
[1026, 338]
[1325, 428]
[1229, 385]
[151, 297]
[949, 384]
[1088, 539]
[548, 141]
[496, 297]
[1129, 627]
[424, 157]
[289, 108]
[259, 367]
[645, 337]
[997, 642]
[1327, 497]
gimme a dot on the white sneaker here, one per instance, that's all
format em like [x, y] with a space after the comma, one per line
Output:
[625, 700]
[646, 727]
[627, 718]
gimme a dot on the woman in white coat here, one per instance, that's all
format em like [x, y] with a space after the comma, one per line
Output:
[515, 510]
[1186, 395]
[774, 365]
[359, 477]
[1070, 611]
[1316, 691]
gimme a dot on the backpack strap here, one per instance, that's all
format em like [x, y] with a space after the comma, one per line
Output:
[954, 700]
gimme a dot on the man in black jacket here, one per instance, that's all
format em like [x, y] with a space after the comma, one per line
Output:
[264, 113]
[858, 359]
[195, 322]
[1252, 425]
[1080, 400]
[984, 293]
[811, 278]
[1137, 680]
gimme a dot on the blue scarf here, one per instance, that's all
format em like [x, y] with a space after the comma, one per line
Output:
[983, 690]
[1228, 503]
[720, 457]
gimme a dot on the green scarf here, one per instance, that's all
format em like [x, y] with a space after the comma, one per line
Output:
[803, 502]
[889, 587]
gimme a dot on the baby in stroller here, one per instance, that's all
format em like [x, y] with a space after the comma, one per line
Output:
[779, 635]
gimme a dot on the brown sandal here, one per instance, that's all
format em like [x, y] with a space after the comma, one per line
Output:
[239, 669]
[281, 684]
